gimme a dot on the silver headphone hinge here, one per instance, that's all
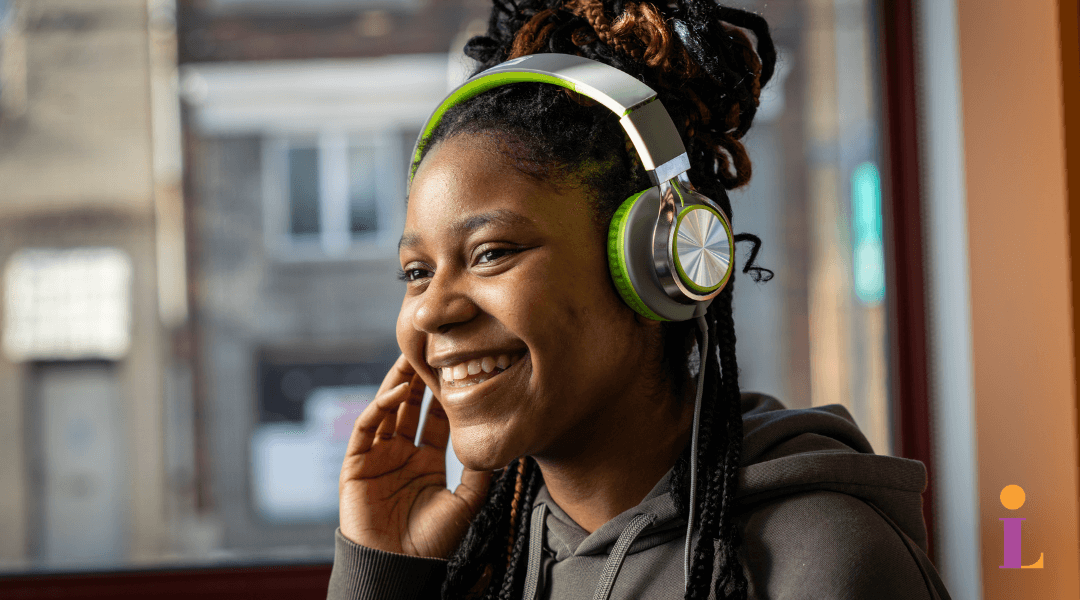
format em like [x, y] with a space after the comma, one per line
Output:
[672, 192]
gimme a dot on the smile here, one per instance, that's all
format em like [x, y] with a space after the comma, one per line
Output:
[477, 370]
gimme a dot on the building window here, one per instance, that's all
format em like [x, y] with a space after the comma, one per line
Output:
[363, 191]
[333, 195]
[304, 191]
[67, 304]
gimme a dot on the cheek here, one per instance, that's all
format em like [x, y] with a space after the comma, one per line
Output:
[590, 302]
[569, 309]
[410, 341]
[403, 330]
[521, 299]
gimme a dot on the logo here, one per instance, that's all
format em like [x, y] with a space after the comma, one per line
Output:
[1012, 498]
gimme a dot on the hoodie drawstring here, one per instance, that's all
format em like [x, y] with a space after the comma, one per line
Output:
[611, 569]
[536, 546]
[618, 554]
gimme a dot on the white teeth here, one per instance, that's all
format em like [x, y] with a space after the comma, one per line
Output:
[468, 370]
[460, 371]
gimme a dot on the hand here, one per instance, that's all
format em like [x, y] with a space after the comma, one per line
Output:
[393, 494]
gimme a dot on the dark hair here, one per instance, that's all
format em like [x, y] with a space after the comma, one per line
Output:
[708, 73]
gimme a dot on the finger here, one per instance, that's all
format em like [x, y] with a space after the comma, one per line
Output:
[473, 487]
[437, 428]
[408, 416]
[388, 427]
[401, 372]
[366, 427]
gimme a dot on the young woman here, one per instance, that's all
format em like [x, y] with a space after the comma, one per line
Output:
[573, 413]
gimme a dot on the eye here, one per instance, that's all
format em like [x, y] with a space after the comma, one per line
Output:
[410, 275]
[492, 255]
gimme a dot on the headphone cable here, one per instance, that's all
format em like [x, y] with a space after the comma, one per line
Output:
[704, 328]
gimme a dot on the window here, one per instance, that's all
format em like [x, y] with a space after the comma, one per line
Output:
[303, 162]
[334, 195]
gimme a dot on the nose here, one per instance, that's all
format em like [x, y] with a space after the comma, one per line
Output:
[444, 304]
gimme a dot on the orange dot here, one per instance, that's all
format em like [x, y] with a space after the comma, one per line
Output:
[1012, 497]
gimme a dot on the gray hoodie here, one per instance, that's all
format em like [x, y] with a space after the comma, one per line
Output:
[821, 516]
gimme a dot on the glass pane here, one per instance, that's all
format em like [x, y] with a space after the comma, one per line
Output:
[815, 334]
[228, 417]
[304, 190]
[363, 203]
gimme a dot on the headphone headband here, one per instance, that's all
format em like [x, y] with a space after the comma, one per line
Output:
[669, 247]
[641, 115]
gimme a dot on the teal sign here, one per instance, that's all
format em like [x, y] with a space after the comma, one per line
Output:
[869, 260]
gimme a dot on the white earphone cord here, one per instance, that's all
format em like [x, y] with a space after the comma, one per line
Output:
[703, 326]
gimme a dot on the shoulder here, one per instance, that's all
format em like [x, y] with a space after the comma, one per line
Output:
[826, 544]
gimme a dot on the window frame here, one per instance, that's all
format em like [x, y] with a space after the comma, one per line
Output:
[902, 213]
[296, 582]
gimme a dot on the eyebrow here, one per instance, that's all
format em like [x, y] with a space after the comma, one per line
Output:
[464, 227]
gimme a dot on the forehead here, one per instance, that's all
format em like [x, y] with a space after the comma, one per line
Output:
[467, 181]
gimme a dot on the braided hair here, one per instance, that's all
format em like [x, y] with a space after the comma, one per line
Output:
[708, 73]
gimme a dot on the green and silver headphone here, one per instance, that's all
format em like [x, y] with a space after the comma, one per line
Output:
[669, 247]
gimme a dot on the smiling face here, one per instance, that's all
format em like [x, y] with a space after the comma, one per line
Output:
[509, 314]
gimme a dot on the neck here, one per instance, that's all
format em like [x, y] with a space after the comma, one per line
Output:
[615, 464]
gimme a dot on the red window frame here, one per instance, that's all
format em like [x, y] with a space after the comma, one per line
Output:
[903, 232]
[296, 582]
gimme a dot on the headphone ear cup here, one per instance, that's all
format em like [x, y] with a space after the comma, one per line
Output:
[630, 259]
[618, 260]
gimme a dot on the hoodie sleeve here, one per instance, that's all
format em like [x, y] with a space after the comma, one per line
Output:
[832, 546]
[362, 573]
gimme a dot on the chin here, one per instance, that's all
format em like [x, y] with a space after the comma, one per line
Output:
[482, 448]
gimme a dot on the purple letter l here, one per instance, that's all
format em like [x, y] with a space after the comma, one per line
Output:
[1012, 543]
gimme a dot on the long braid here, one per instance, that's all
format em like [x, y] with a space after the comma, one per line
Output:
[512, 586]
[473, 560]
[708, 74]
[731, 571]
[701, 566]
[722, 455]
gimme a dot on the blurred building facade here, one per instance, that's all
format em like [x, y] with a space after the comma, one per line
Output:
[88, 181]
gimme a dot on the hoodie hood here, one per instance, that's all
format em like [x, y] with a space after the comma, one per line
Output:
[788, 451]
[785, 452]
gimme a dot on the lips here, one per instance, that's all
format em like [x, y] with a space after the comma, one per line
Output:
[476, 370]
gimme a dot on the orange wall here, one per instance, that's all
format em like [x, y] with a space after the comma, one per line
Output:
[1022, 318]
